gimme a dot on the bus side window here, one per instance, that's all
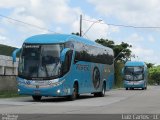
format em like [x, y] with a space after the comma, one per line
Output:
[67, 62]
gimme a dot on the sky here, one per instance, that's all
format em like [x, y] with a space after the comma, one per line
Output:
[62, 16]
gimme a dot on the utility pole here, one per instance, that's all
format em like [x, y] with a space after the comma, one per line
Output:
[80, 27]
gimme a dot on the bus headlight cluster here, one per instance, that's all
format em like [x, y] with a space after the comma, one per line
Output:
[58, 91]
[21, 82]
[140, 81]
[56, 83]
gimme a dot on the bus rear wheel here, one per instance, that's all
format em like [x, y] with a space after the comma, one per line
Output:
[75, 93]
[102, 93]
[36, 98]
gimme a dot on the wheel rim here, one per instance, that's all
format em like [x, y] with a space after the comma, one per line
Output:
[103, 90]
[75, 92]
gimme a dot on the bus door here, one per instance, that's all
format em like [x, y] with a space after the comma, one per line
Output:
[66, 67]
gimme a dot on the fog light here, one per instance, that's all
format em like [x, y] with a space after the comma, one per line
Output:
[58, 91]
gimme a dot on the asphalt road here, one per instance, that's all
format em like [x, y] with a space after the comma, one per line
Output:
[117, 101]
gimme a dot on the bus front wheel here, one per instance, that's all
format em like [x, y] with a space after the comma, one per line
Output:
[145, 86]
[75, 93]
[36, 98]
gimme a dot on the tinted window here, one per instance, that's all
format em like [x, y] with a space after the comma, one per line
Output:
[92, 54]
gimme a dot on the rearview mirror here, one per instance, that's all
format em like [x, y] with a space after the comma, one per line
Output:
[14, 54]
[63, 54]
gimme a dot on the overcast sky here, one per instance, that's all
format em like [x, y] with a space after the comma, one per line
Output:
[62, 16]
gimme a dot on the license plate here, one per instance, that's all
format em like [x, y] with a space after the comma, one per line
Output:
[37, 92]
[131, 82]
[136, 83]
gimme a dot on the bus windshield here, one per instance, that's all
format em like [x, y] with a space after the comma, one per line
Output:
[134, 73]
[40, 61]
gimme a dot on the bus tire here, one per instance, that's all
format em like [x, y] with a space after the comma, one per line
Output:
[75, 93]
[145, 87]
[102, 93]
[36, 97]
[96, 94]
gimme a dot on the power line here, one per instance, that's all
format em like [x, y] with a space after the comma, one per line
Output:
[85, 35]
[32, 25]
[128, 26]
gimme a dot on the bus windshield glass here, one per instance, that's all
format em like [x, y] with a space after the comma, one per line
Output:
[40, 61]
[134, 73]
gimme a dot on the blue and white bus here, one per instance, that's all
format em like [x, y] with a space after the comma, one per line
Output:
[63, 65]
[135, 75]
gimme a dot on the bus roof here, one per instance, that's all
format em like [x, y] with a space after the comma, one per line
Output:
[58, 38]
[135, 63]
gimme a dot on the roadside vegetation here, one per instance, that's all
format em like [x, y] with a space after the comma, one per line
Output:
[8, 94]
[154, 75]
[6, 50]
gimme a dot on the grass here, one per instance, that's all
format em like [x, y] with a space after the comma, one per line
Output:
[118, 86]
[9, 94]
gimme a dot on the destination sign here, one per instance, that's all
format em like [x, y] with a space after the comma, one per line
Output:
[31, 46]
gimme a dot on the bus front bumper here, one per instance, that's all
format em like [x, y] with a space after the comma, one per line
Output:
[22, 90]
[134, 84]
[43, 88]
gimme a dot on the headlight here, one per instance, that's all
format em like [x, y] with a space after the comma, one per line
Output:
[58, 91]
[56, 83]
[140, 81]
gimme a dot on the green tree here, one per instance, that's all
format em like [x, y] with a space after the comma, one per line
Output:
[154, 75]
[6, 50]
[76, 34]
[149, 65]
[106, 42]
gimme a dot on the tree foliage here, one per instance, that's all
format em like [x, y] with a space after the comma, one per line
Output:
[154, 74]
[77, 33]
[149, 65]
[6, 50]
[122, 51]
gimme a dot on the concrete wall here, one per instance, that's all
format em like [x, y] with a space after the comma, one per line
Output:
[8, 83]
[7, 67]
[8, 70]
